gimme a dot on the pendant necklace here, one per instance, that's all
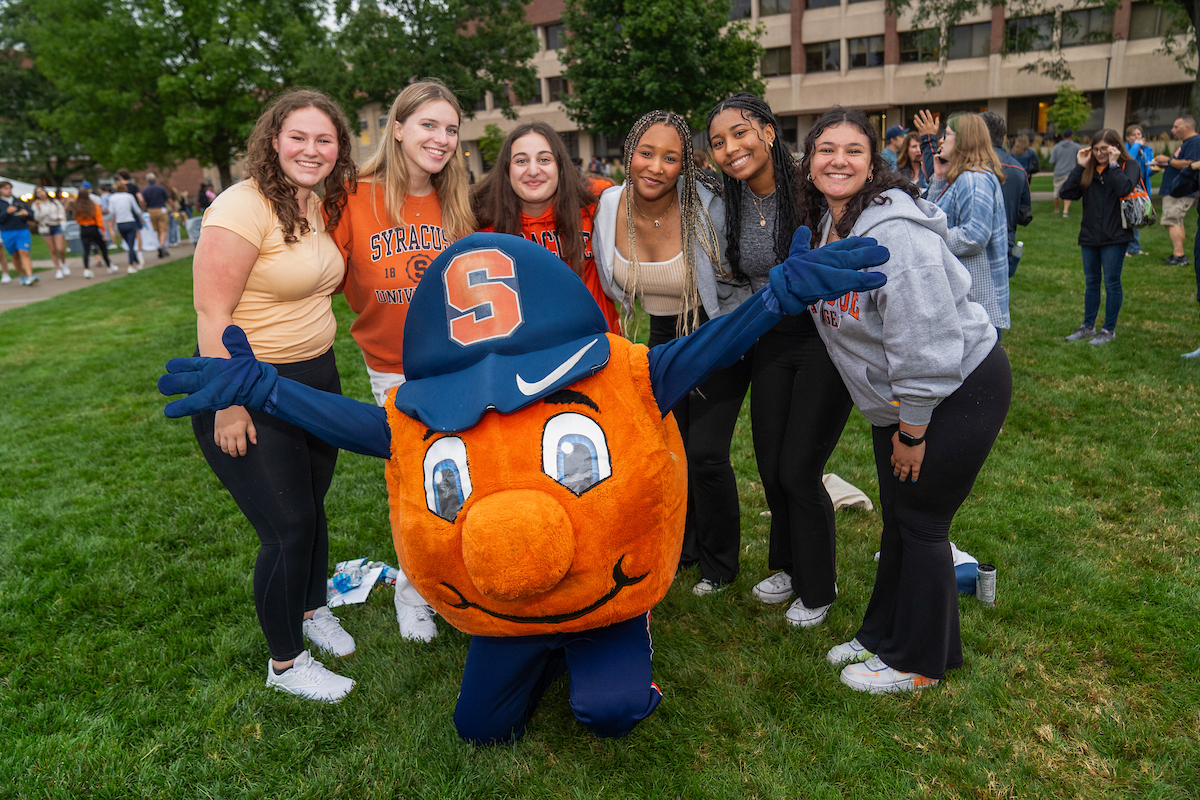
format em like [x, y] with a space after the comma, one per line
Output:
[655, 221]
[760, 202]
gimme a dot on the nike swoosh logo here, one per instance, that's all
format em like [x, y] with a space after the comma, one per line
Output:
[530, 389]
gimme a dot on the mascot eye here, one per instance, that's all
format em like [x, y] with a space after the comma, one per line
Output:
[447, 479]
[574, 452]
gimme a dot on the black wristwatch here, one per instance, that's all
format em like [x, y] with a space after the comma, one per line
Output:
[908, 440]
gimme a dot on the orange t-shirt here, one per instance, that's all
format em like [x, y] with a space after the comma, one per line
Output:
[384, 263]
[542, 230]
[97, 219]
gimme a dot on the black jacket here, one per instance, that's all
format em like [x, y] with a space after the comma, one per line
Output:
[14, 221]
[1101, 225]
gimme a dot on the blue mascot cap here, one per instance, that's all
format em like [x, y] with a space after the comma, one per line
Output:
[496, 322]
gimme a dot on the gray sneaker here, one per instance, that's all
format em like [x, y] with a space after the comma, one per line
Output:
[1082, 332]
[1103, 337]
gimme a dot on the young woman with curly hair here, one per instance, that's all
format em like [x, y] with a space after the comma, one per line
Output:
[267, 264]
[798, 405]
[410, 203]
[536, 192]
[659, 244]
[925, 367]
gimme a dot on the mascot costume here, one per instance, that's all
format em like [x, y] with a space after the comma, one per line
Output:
[536, 479]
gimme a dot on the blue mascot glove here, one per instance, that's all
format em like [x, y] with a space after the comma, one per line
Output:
[217, 383]
[827, 273]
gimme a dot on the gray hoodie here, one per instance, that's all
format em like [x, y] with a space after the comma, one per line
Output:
[904, 348]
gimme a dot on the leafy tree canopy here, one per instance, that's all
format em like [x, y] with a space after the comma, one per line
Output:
[32, 151]
[473, 46]
[625, 57]
[1070, 109]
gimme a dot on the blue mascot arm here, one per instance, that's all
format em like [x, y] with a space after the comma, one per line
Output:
[241, 380]
[806, 276]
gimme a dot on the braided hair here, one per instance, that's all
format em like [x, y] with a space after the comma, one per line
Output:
[694, 223]
[786, 173]
[812, 203]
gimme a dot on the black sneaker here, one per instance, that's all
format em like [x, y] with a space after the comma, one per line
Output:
[1178, 261]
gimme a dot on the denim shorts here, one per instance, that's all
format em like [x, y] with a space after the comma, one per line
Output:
[55, 230]
[16, 240]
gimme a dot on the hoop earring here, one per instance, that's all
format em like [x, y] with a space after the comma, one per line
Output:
[810, 177]
[871, 177]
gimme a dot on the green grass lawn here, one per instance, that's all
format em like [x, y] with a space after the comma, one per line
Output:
[1044, 181]
[132, 663]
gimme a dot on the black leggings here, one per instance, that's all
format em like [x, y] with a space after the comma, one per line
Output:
[89, 237]
[706, 419]
[912, 620]
[798, 406]
[280, 486]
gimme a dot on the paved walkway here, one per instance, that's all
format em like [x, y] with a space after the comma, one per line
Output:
[14, 295]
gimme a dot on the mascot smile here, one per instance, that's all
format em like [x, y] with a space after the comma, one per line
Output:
[537, 482]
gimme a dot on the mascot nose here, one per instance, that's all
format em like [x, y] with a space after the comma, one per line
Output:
[517, 544]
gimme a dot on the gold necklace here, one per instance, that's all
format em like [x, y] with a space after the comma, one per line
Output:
[762, 218]
[655, 221]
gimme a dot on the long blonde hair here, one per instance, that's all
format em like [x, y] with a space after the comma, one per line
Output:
[389, 167]
[972, 148]
[694, 223]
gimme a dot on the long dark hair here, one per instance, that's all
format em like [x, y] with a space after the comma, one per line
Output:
[787, 219]
[262, 162]
[496, 204]
[812, 206]
[1112, 139]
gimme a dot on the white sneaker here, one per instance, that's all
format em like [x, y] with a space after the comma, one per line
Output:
[774, 589]
[309, 678]
[876, 677]
[850, 652]
[131, 269]
[805, 617]
[58, 274]
[88, 274]
[325, 631]
[6, 279]
[416, 622]
[706, 587]
[113, 269]
[66, 270]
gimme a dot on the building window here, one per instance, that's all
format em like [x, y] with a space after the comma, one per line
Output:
[1156, 108]
[823, 56]
[739, 9]
[1086, 26]
[536, 97]
[776, 61]
[382, 121]
[969, 41]
[866, 51]
[1029, 33]
[823, 3]
[767, 8]
[558, 88]
[1151, 21]
[364, 130]
[481, 102]
[556, 36]
[918, 46]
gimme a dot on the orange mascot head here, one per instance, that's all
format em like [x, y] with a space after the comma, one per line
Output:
[534, 484]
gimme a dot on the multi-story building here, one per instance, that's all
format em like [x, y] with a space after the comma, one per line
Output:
[823, 52]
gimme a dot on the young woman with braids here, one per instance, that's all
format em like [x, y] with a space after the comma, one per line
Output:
[659, 243]
[798, 404]
[925, 367]
[536, 192]
[267, 264]
[410, 203]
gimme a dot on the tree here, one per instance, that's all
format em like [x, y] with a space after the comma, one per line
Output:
[1070, 109]
[473, 46]
[623, 58]
[151, 81]
[32, 151]
[490, 143]
[938, 16]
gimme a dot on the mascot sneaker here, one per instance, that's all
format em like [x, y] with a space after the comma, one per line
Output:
[704, 587]
[775, 589]
[876, 677]
[325, 631]
[416, 622]
[309, 678]
[850, 652]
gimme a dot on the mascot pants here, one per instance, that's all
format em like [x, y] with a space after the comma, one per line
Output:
[608, 668]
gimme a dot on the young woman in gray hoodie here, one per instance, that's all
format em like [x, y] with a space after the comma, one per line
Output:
[923, 365]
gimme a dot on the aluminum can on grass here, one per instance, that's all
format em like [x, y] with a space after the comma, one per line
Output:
[985, 584]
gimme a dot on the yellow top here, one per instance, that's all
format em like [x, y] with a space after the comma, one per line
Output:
[285, 308]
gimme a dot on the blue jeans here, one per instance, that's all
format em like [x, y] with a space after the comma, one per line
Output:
[1135, 246]
[1107, 260]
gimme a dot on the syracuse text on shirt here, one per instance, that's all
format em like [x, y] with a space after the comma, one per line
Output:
[415, 246]
[549, 240]
[831, 310]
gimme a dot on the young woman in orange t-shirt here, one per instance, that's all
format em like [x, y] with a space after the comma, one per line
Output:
[536, 192]
[410, 204]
